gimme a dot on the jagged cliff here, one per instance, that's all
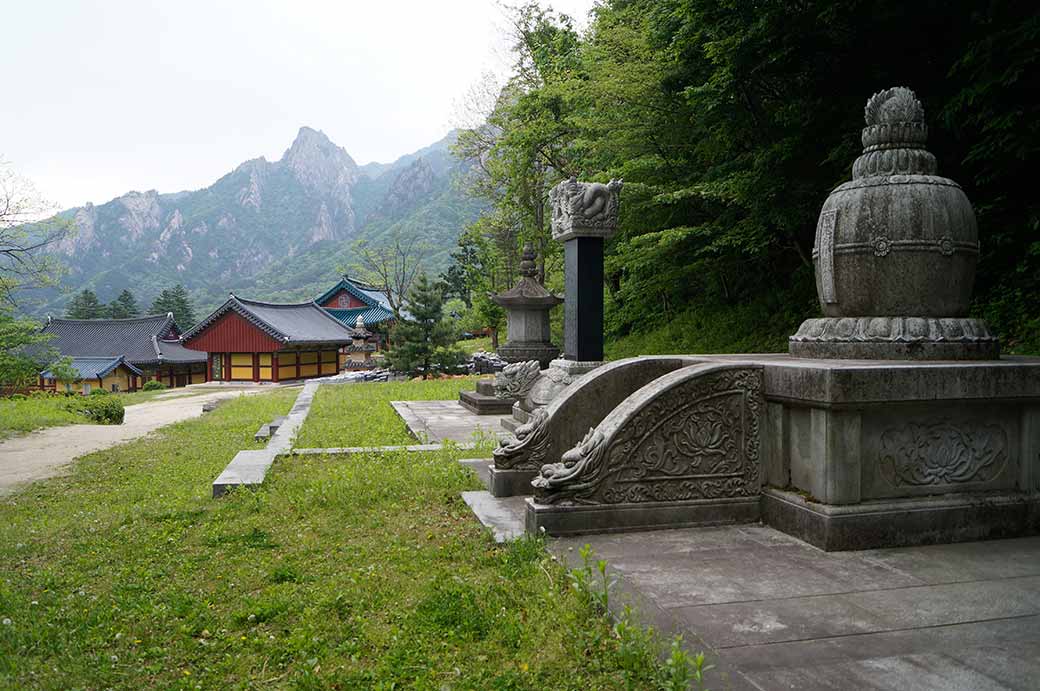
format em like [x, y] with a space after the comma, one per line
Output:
[279, 230]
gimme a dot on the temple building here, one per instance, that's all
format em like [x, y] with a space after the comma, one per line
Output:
[350, 299]
[149, 345]
[107, 373]
[249, 340]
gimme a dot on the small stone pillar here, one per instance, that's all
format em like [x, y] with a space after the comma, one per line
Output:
[584, 214]
[527, 308]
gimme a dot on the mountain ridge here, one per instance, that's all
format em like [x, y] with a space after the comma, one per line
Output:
[267, 229]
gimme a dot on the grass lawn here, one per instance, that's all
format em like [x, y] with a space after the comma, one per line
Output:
[361, 415]
[365, 572]
[472, 345]
[18, 416]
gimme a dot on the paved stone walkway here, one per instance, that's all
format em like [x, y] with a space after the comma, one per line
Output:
[437, 421]
[781, 614]
[43, 453]
[773, 612]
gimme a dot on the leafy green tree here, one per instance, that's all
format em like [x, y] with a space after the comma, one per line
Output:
[731, 121]
[424, 342]
[23, 349]
[124, 306]
[175, 300]
[85, 305]
[24, 259]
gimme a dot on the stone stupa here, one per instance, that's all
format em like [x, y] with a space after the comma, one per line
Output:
[895, 252]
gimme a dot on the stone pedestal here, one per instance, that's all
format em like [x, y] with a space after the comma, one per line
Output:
[862, 454]
[484, 401]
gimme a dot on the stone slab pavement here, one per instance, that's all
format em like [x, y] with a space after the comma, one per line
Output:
[773, 612]
[437, 421]
[44, 453]
[776, 613]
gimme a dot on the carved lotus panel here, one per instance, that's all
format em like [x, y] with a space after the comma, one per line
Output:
[943, 453]
[698, 440]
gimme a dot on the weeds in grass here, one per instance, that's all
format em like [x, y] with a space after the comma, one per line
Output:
[636, 646]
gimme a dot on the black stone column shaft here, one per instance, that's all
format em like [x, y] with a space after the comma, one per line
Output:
[583, 305]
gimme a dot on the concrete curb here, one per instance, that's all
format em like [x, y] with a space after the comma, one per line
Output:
[249, 467]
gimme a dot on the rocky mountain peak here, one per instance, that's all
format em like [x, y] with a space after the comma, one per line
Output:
[321, 166]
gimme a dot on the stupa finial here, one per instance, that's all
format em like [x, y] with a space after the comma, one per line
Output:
[528, 267]
[891, 106]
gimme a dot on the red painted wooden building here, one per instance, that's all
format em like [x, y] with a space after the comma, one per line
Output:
[248, 340]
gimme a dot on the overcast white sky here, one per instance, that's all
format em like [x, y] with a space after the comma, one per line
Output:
[114, 95]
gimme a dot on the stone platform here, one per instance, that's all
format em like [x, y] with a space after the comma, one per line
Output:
[846, 454]
[483, 401]
[438, 421]
[774, 612]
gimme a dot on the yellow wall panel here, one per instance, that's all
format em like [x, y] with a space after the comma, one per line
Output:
[286, 358]
[265, 359]
[265, 373]
[242, 372]
[308, 370]
[308, 358]
[328, 356]
[241, 360]
[287, 372]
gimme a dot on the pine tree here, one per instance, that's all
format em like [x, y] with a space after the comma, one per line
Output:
[425, 341]
[177, 302]
[124, 306]
[85, 305]
[184, 311]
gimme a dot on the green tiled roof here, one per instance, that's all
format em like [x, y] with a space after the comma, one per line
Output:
[370, 315]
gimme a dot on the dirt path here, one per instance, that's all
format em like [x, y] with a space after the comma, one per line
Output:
[43, 454]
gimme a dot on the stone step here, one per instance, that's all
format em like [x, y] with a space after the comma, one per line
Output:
[486, 387]
[504, 516]
[247, 468]
[263, 434]
[481, 404]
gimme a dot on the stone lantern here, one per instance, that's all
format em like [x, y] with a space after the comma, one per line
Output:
[895, 252]
[527, 307]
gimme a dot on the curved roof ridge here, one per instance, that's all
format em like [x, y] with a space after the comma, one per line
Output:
[244, 311]
[112, 319]
[247, 301]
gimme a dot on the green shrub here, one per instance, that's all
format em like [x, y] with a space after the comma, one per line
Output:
[18, 397]
[153, 385]
[98, 392]
[105, 410]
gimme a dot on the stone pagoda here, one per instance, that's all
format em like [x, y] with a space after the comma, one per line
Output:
[527, 306]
